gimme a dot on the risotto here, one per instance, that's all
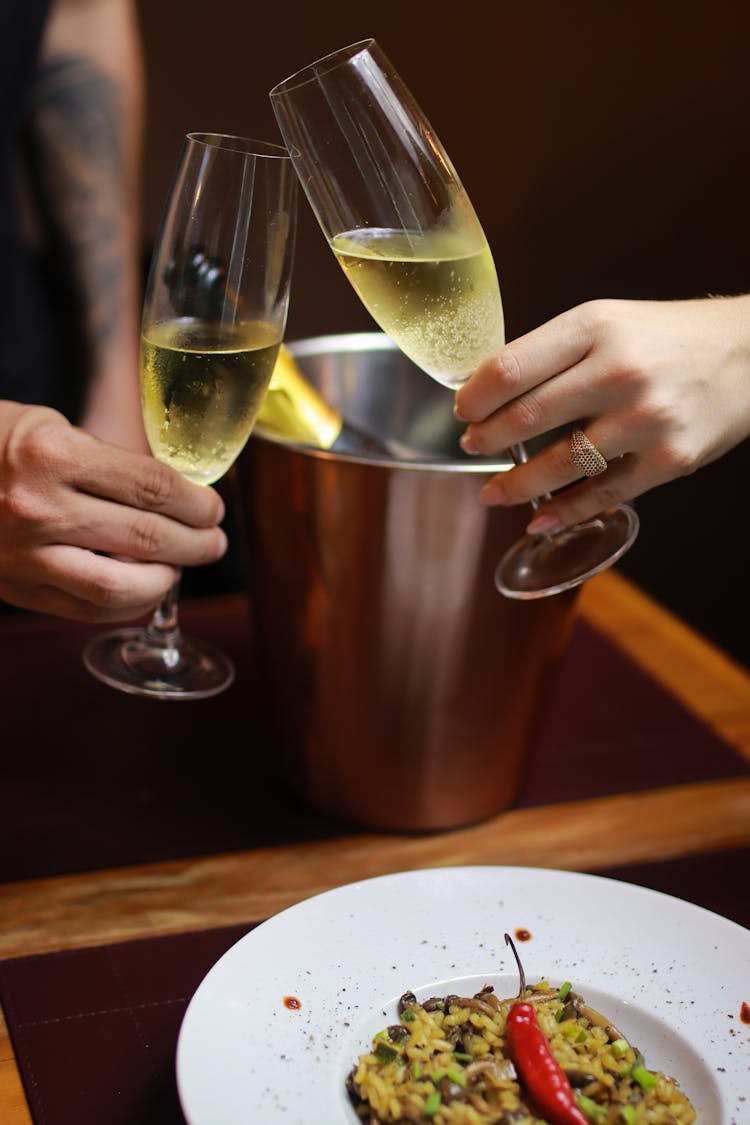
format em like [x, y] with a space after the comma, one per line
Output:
[543, 1057]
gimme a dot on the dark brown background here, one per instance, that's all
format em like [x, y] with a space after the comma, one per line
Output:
[605, 147]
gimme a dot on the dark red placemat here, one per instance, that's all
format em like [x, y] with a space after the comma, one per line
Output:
[95, 1030]
[608, 728]
[94, 779]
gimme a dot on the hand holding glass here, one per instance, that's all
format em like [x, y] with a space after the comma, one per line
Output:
[403, 229]
[213, 319]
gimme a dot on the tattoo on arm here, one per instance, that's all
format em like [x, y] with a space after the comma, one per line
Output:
[77, 157]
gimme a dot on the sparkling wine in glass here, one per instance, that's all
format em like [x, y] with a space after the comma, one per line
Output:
[213, 320]
[404, 231]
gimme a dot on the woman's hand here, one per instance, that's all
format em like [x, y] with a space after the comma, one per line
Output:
[91, 531]
[661, 388]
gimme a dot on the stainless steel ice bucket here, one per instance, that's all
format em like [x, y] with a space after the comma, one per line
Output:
[402, 687]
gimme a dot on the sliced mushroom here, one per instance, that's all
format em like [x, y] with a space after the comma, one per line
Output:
[483, 1006]
[579, 1078]
[502, 1070]
[487, 994]
[540, 997]
[406, 1000]
[598, 1020]
[352, 1088]
[450, 1091]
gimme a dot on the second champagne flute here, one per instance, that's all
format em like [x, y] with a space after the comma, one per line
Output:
[403, 229]
[213, 320]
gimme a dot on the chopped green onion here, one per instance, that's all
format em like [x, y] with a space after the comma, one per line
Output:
[432, 1104]
[408, 1015]
[581, 1037]
[620, 1047]
[645, 1079]
[456, 1075]
[382, 1034]
[559, 1014]
[438, 1074]
[416, 1069]
[462, 1056]
[627, 1112]
[385, 1053]
[563, 993]
[591, 1109]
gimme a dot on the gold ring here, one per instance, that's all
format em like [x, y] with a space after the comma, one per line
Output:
[585, 456]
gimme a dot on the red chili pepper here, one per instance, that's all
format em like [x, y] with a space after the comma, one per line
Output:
[542, 1075]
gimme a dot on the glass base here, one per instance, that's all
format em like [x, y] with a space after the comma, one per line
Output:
[126, 660]
[538, 566]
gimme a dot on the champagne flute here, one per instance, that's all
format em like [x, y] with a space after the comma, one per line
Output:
[213, 320]
[404, 231]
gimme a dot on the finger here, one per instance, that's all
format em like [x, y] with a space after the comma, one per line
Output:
[139, 481]
[550, 470]
[49, 600]
[524, 363]
[98, 587]
[100, 525]
[625, 479]
[554, 403]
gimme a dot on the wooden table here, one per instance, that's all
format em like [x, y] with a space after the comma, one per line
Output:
[106, 906]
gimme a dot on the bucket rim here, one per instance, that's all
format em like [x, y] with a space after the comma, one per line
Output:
[340, 342]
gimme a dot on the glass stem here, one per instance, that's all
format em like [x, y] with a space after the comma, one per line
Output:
[163, 631]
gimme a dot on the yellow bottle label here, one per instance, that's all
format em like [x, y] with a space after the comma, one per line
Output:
[293, 410]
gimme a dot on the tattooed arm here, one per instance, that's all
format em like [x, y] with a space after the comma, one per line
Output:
[90, 531]
[87, 125]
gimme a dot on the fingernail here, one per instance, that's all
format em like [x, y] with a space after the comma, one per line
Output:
[467, 444]
[457, 414]
[223, 543]
[491, 493]
[543, 523]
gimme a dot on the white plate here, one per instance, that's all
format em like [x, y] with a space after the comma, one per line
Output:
[671, 975]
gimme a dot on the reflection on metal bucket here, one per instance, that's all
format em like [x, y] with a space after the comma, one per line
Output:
[402, 686]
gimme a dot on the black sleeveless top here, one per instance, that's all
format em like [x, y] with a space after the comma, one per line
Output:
[37, 364]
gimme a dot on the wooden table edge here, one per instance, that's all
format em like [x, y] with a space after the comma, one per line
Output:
[710, 684]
